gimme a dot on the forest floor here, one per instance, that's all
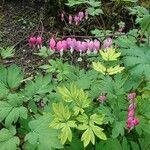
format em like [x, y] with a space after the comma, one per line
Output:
[17, 22]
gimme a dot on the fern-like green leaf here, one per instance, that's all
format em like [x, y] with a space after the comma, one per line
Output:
[138, 61]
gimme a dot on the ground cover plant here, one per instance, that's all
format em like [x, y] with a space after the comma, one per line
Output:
[76, 76]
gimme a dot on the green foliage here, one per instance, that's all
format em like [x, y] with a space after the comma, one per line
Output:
[77, 96]
[62, 121]
[8, 140]
[39, 86]
[94, 6]
[11, 114]
[58, 68]
[100, 34]
[137, 60]
[133, 1]
[139, 11]
[44, 52]
[76, 101]
[9, 79]
[145, 24]
[88, 124]
[7, 52]
[40, 136]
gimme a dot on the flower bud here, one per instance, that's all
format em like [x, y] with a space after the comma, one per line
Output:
[86, 15]
[131, 113]
[40, 104]
[132, 107]
[130, 125]
[62, 17]
[70, 19]
[131, 96]
[102, 98]
[77, 20]
[81, 15]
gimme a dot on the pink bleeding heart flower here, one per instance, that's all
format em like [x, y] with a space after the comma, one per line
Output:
[136, 121]
[81, 47]
[70, 19]
[78, 46]
[84, 46]
[64, 44]
[62, 17]
[80, 15]
[131, 113]
[68, 40]
[132, 107]
[131, 96]
[102, 98]
[86, 15]
[131, 122]
[130, 119]
[107, 43]
[77, 20]
[120, 29]
[96, 46]
[59, 47]
[52, 43]
[39, 41]
[70, 44]
[73, 45]
[32, 41]
[90, 46]
[130, 125]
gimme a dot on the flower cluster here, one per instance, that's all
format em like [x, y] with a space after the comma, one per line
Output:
[75, 19]
[35, 41]
[132, 121]
[72, 44]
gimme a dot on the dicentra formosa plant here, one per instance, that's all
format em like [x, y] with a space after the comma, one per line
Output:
[71, 113]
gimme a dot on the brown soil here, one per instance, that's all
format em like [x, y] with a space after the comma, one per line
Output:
[17, 22]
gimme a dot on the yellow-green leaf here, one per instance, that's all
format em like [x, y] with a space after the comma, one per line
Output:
[114, 70]
[110, 54]
[99, 67]
[82, 126]
[72, 124]
[78, 110]
[56, 124]
[66, 95]
[65, 134]
[88, 136]
[61, 112]
[95, 118]
[76, 95]
[83, 118]
[99, 132]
